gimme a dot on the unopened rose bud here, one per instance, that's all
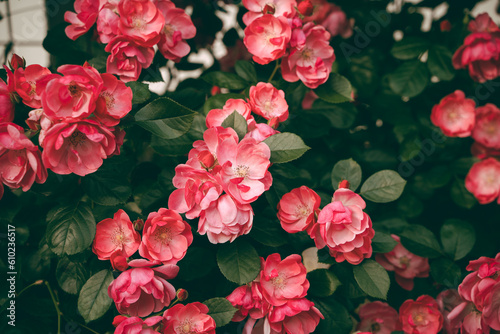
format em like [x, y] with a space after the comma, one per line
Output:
[445, 25]
[138, 224]
[305, 8]
[206, 159]
[17, 62]
[344, 184]
[215, 90]
[182, 295]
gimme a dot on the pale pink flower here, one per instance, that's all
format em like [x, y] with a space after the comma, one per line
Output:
[483, 180]
[225, 220]
[115, 236]
[135, 325]
[216, 117]
[455, 115]
[269, 102]
[257, 8]
[178, 27]
[114, 101]
[406, 265]
[297, 210]
[141, 21]
[127, 58]
[487, 128]
[378, 318]
[165, 237]
[83, 19]
[108, 25]
[191, 318]
[248, 299]
[267, 37]
[421, 316]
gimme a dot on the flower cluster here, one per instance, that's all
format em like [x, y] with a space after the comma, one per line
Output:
[341, 225]
[329, 16]
[76, 114]
[275, 30]
[131, 29]
[276, 299]
[481, 50]
[223, 175]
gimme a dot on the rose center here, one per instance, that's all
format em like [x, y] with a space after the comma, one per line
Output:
[418, 319]
[375, 327]
[185, 327]
[404, 260]
[278, 282]
[138, 23]
[302, 211]
[163, 235]
[168, 30]
[307, 54]
[73, 88]
[241, 170]
[77, 138]
[33, 88]
[118, 237]
[109, 99]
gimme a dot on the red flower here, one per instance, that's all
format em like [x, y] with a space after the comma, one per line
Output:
[114, 101]
[298, 208]
[483, 180]
[454, 115]
[421, 316]
[191, 318]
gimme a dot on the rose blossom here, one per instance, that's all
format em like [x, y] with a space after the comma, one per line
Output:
[165, 237]
[406, 265]
[191, 318]
[135, 325]
[269, 102]
[298, 208]
[142, 291]
[178, 27]
[83, 19]
[25, 84]
[225, 220]
[216, 117]
[311, 58]
[107, 24]
[72, 96]
[344, 228]
[282, 280]
[115, 235]
[248, 299]
[77, 147]
[421, 316]
[7, 107]
[141, 21]
[267, 37]
[244, 170]
[447, 301]
[454, 115]
[114, 101]
[257, 8]
[377, 317]
[483, 180]
[259, 131]
[481, 50]
[196, 190]
[127, 58]
[467, 319]
[491, 311]
[487, 128]
[20, 160]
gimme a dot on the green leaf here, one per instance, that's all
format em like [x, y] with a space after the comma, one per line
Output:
[372, 278]
[218, 101]
[237, 123]
[71, 276]
[340, 115]
[225, 80]
[246, 70]
[323, 282]
[461, 196]
[336, 90]
[383, 242]
[458, 238]
[238, 261]
[140, 92]
[107, 188]
[446, 272]
[439, 62]
[93, 301]
[409, 48]
[346, 170]
[268, 231]
[70, 229]
[337, 319]
[409, 79]
[383, 186]
[165, 118]
[221, 310]
[420, 241]
[99, 63]
[286, 147]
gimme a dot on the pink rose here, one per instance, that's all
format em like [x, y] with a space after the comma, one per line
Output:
[20, 160]
[72, 96]
[269, 102]
[83, 19]
[454, 115]
[447, 301]
[344, 228]
[115, 236]
[107, 25]
[467, 319]
[248, 299]
[165, 237]
[487, 128]
[196, 190]
[481, 50]
[114, 101]
[332, 18]
[257, 8]
[141, 21]
[244, 170]
[378, 317]
[191, 318]
[282, 280]
[483, 180]
[135, 325]
[178, 27]
[7, 107]
[297, 209]
[267, 37]
[128, 58]
[216, 117]
[259, 131]
[142, 291]
[25, 83]
[311, 58]
[491, 310]
[225, 220]
[421, 316]
[406, 265]
[77, 147]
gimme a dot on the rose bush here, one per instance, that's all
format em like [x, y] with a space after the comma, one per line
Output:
[302, 167]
